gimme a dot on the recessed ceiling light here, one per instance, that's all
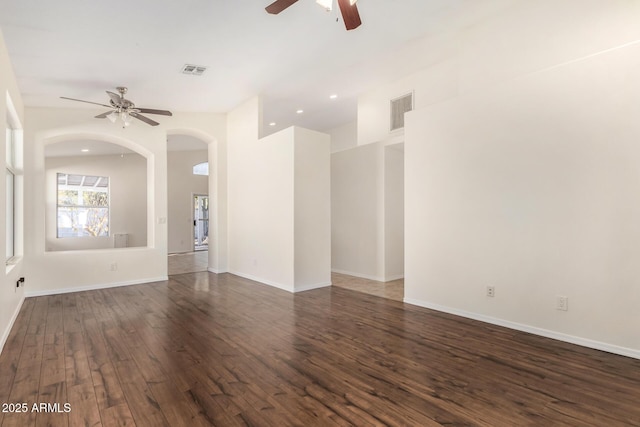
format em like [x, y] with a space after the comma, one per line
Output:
[85, 150]
[272, 124]
[334, 96]
[300, 111]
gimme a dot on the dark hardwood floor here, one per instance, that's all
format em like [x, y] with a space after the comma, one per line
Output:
[205, 349]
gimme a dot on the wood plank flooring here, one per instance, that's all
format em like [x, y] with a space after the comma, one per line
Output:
[204, 349]
[189, 262]
[392, 290]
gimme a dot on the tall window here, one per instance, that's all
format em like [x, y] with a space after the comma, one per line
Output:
[83, 205]
[10, 190]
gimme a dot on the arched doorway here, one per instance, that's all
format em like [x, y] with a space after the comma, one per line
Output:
[96, 195]
[188, 204]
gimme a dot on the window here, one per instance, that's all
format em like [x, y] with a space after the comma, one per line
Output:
[83, 205]
[10, 191]
[201, 169]
[14, 187]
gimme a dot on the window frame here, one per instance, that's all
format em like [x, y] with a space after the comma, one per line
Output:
[83, 206]
[10, 194]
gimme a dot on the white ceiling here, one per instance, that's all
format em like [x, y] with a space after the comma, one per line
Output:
[79, 49]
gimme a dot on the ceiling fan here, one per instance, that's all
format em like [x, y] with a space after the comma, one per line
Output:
[348, 8]
[124, 109]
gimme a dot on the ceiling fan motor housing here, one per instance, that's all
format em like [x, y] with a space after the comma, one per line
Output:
[125, 104]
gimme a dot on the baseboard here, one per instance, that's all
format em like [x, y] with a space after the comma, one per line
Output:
[360, 275]
[263, 281]
[312, 287]
[213, 270]
[5, 334]
[584, 342]
[366, 276]
[94, 287]
[280, 285]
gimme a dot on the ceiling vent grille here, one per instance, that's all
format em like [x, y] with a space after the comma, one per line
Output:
[195, 70]
[399, 106]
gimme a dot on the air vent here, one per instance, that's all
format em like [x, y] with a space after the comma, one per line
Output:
[399, 106]
[195, 70]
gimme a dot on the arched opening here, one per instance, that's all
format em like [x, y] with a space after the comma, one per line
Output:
[96, 195]
[188, 207]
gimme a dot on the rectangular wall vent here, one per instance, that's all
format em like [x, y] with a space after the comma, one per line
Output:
[399, 106]
[195, 70]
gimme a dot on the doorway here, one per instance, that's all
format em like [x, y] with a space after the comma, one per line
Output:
[200, 222]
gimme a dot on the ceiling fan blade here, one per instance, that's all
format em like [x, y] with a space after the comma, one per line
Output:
[152, 111]
[350, 14]
[144, 119]
[88, 102]
[104, 115]
[117, 99]
[279, 5]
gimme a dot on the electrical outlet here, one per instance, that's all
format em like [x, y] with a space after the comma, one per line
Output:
[491, 291]
[114, 266]
[562, 303]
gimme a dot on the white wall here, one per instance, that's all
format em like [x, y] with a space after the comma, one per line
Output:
[367, 205]
[356, 220]
[429, 86]
[127, 198]
[218, 210]
[394, 212]
[10, 297]
[182, 184]
[272, 232]
[344, 137]
[499, 48]
[260, 186]
[54, 272]
[312, 209]
[527, 181]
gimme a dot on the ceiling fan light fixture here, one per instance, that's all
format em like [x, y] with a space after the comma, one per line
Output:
[126, 118]
[348, 9]
[327, 4]
[113, 116]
